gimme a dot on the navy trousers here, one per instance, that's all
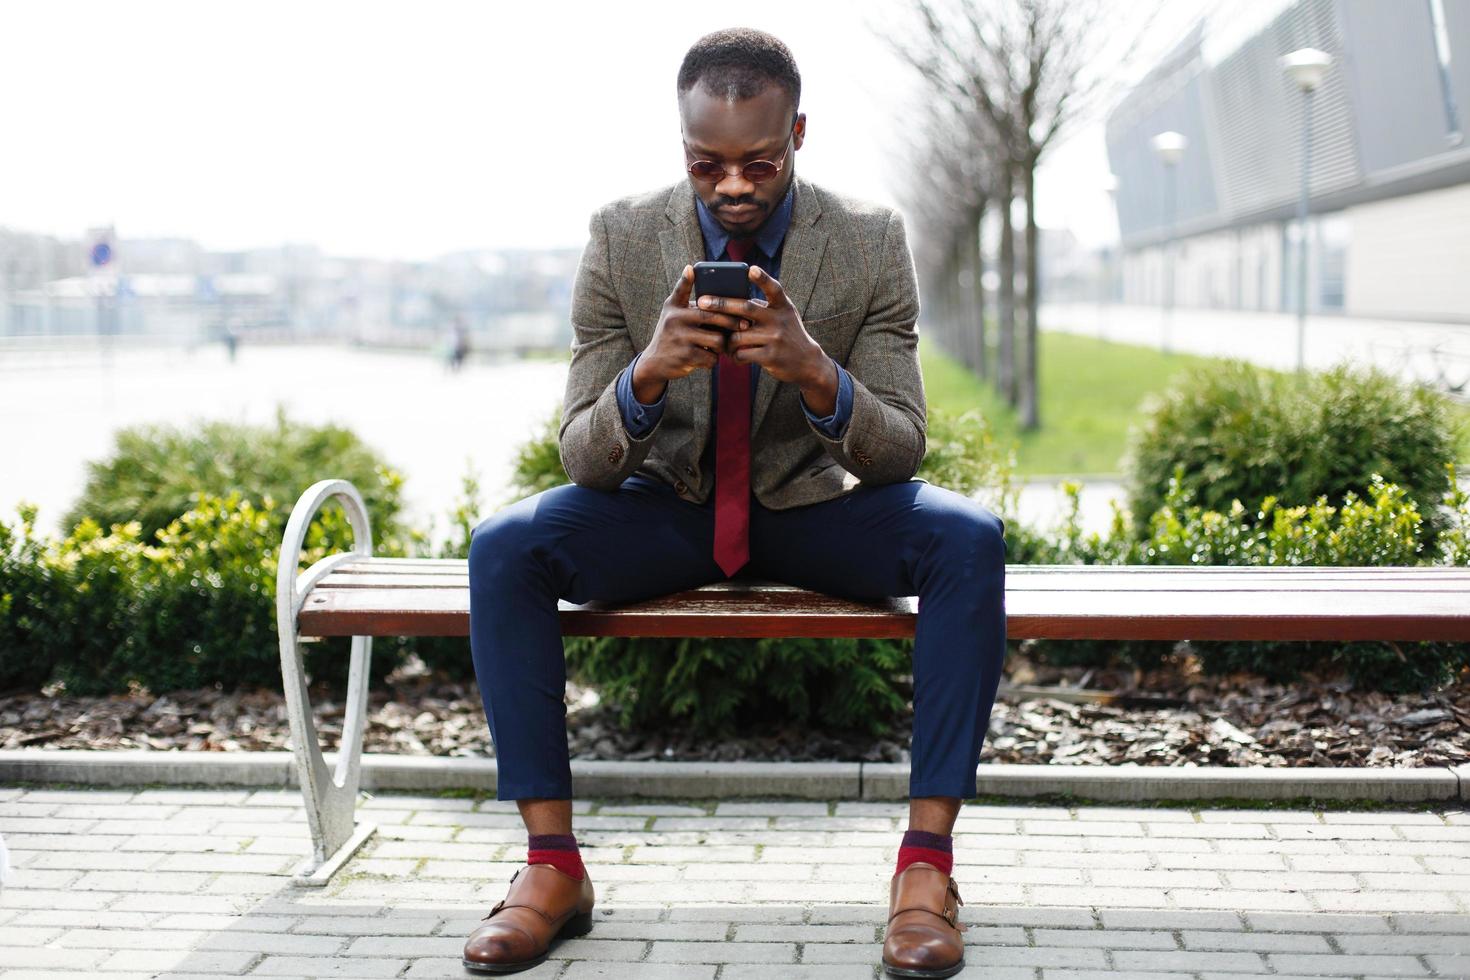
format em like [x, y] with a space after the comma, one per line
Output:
[643, 540]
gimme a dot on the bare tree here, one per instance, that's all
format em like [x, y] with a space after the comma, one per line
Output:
[1028, 69]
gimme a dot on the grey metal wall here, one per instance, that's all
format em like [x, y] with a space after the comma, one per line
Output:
[1380, 107]
[1395, 81]
[1172, 98]
[1457, 22]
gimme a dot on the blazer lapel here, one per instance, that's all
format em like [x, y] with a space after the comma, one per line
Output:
[682, 244]
[801, 260]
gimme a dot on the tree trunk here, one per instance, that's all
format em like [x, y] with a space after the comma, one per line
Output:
[977, 286]
[1030, 394]
[1006, 348]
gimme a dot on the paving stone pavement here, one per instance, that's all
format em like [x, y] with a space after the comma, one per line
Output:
[184, 883]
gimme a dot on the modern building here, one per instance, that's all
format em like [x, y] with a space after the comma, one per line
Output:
[1389, 181]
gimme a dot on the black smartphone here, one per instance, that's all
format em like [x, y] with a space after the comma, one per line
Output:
[722, 279]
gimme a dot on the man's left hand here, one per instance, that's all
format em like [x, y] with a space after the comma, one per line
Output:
[772, 335]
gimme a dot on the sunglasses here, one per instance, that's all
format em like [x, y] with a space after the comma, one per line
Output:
[756, 171]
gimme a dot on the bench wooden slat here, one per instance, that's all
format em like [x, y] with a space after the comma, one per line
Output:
[1053, 602]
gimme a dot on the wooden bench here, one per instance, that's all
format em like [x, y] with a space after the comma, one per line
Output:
[354, 594]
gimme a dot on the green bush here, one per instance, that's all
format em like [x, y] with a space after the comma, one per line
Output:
[715, 686]
[102, 612]
[23, 577]
[154, 473]
[1240, 432]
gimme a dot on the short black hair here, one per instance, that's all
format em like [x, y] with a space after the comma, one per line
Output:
[739, 63]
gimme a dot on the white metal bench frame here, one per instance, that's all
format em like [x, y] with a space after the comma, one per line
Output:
[331, 797]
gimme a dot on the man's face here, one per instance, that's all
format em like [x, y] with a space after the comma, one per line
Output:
[734, 134]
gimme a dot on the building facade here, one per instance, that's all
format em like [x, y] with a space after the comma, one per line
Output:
[1388, 231]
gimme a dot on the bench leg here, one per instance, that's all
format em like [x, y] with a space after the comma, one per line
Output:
[330, 796]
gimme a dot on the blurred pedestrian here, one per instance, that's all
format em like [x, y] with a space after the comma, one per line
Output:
[459, 344]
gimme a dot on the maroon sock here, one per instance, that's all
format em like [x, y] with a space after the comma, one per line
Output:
[559, 851]
[920, 845]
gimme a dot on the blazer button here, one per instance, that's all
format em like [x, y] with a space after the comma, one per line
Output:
[680, 486]
[615, 455]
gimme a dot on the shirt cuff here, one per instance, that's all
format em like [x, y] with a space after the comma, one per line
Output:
[833, 426]
[638, 418]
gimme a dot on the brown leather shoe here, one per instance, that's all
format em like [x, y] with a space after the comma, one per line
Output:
[923, 924]
[543, 905]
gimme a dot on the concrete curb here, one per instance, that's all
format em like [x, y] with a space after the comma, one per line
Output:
[728, 780]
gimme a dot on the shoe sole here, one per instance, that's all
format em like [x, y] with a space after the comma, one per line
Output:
[909, 971]
[577, 925]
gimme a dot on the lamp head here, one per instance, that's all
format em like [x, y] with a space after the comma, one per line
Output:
[1307, 67]
[1170, 146]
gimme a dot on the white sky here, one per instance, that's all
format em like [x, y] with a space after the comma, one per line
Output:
[410, 130]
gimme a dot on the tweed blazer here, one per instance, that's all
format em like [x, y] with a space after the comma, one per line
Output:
[846, 267]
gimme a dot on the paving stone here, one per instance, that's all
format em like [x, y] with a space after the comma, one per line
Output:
[82, 918]
[1044, 956]
[684, 952]
[63, 842]
[1080, 827]
[51, 958]
[1384, 901]
[409, 947]
[1413, 945]
[1383, 966]
[206, 797]
[126, 939]
[1239, 899]
[178, 881]
[179, 961]
[1452, 924]
[783, 809]
[1097, 896]
[1130, 961]
[1069, 918]
[266, 942]
[1110, 938]
[753, 971]
[1168, 919]
[40, 898]
[765, 933]
[1317, 922]
[1257, 942]
[27, 935]
[322, 966]
[650, 971]
[869, 952]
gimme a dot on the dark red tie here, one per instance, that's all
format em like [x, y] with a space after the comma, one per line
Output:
[732, 452]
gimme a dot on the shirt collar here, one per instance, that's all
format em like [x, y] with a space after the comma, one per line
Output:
[768, 239]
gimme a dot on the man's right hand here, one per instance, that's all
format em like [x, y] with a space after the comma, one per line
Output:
[685, 339]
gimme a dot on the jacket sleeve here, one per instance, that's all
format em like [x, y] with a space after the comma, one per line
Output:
[885, 437]
[597, 450]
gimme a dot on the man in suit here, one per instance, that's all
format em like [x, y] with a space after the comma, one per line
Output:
[778, 435]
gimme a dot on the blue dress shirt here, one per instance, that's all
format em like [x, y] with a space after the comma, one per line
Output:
[639, 418]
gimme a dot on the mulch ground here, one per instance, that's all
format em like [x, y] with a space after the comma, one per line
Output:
[1172, 717]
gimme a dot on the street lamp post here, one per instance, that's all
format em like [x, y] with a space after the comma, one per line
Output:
[1307, 67]
[1105, 293]
[1170, 147]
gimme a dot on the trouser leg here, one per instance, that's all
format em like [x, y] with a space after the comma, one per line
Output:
[573, 543]
[911, 539]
